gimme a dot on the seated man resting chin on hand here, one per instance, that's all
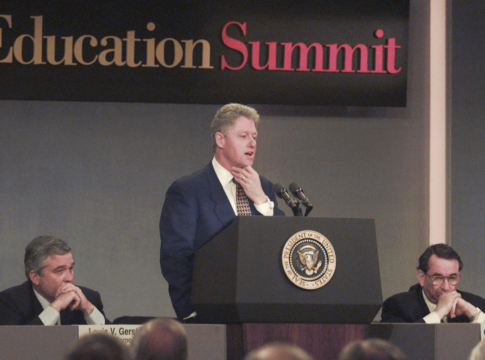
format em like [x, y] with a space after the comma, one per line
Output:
[435, 298]
[49, 296]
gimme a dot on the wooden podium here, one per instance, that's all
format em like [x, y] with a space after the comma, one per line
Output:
[239, 280]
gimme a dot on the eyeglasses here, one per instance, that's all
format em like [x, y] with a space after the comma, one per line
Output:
[438, 279]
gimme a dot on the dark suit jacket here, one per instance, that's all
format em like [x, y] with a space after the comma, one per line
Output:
[410, 306]
[20, 306]
[196, 208]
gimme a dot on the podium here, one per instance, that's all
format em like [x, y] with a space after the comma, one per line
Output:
[239, 276]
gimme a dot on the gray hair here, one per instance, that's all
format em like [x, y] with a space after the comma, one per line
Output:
[39, 249]
[372, 349]
[278, 351]
[226, 117]
[99, 347]
[161, 339]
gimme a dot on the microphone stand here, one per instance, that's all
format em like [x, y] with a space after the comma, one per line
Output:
[282, 193]
[308, 209]
[298, 193]
[296, 209]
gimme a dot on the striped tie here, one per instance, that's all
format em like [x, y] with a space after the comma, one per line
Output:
[242, 201]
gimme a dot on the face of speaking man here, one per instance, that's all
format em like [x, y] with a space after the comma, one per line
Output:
[438, 267]
[238, 147]
[59, 271]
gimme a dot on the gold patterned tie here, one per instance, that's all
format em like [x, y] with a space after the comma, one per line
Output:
[242, 201]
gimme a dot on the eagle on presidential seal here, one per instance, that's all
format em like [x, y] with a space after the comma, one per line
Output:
[309, 259]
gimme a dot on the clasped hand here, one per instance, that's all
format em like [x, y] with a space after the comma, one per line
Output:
[452, 304]
[69, 295]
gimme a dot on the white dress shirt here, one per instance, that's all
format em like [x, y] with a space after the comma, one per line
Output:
[225, 178]
[434, 318]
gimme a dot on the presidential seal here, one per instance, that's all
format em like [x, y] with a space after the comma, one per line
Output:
[308, 259]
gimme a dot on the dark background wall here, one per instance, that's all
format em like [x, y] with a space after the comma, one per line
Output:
[468, 140]
[95, 174]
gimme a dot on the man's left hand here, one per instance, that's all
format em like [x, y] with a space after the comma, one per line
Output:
[84, 305]
[249, 180]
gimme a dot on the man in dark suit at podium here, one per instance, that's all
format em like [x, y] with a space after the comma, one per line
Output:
[49, 296]
[435, 298]
[199, 206]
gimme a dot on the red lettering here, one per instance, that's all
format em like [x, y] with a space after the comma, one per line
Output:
[271, 63]
[379, 54]
[378, 61]
[303, 64]
[255, 55]
[348, 56]
[234, 44]
[391, 56]
[332, 58]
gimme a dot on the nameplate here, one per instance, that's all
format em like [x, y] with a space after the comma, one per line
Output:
[123, 332]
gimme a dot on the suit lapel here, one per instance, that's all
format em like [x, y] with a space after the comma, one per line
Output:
[422, 303]
[35, 306]
[222, 206]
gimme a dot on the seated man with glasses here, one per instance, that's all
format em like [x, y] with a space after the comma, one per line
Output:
[435, 298]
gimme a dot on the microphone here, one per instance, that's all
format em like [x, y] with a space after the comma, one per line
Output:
[297, 191]
[282, 193]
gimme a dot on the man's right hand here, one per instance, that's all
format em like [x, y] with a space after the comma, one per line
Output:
[447, 303]
[68, 299]
[462, 307]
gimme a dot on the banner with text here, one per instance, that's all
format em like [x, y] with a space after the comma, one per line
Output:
[332, 53]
